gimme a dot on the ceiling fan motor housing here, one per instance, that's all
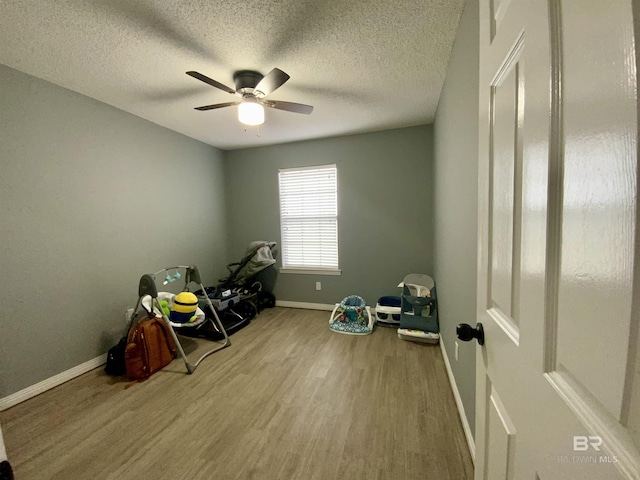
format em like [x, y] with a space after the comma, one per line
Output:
[246, 79]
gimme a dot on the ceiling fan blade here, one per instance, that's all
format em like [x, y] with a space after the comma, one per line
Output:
[217, 105]
[210, 81]
[289, 106]
[272, 81]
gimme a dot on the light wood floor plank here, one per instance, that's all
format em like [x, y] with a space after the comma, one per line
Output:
[288, 400]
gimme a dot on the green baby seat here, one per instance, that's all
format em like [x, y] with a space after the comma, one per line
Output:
[351, 316]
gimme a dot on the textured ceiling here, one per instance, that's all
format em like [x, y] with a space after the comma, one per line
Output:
[364, 65]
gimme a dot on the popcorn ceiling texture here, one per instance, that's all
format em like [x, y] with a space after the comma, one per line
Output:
[364, 65]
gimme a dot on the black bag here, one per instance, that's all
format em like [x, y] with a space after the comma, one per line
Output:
[6, 473]
[115, 359]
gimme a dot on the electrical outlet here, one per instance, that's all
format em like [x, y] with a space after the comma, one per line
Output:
[318, 285]
[456, 351]
[128, 314]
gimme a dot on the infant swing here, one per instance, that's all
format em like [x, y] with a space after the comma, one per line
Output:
[178, 311]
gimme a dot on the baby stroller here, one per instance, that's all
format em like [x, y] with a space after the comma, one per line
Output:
[254, 275]
[247, 290]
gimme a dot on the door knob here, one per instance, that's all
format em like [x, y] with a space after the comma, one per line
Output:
[466, 332]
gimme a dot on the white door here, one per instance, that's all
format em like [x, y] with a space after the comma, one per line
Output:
[558, 379]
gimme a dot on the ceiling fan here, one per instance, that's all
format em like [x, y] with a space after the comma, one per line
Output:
[253, 88]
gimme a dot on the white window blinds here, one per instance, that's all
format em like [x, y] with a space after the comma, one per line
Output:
[309, 217]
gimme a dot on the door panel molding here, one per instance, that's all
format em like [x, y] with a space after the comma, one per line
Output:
[597, 421]
[555, 198]
[505, 323]
[597, 105]
[501, 435]
[497, 13]
[505, 187]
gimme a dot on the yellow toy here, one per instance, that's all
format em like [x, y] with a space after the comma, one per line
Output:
[184, 307]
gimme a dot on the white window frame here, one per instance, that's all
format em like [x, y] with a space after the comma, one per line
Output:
[292, 219]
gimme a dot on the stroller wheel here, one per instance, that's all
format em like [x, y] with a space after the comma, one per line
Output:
[266, 300]
[246, 310]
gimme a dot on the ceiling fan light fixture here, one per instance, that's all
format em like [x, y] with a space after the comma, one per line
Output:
[251, 112]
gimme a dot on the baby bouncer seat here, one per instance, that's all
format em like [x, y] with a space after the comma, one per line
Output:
[178, 314]
[348, 317]
[419, 309]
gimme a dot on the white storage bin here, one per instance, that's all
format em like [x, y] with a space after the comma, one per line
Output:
[388, 311]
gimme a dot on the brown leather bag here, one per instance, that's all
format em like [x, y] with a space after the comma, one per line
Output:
[150, 347]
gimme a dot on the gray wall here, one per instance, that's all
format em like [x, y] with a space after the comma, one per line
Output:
[384, 214]
[90, 199]
[455, 177]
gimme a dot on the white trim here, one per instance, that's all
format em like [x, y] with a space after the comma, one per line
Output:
[309, 167]
[307, 306]
[456, 394]
[49, 383]
[310, 271]
[3, 450]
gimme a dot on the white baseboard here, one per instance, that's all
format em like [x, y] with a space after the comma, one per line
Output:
[456, 395]
[49, 383]
[3, 451]
[305, 305]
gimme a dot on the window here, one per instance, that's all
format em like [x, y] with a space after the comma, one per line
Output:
[309, 219]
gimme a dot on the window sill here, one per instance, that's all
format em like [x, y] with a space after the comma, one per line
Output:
[310, 271]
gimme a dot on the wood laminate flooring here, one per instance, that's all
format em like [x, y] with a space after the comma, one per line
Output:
[289, 399]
